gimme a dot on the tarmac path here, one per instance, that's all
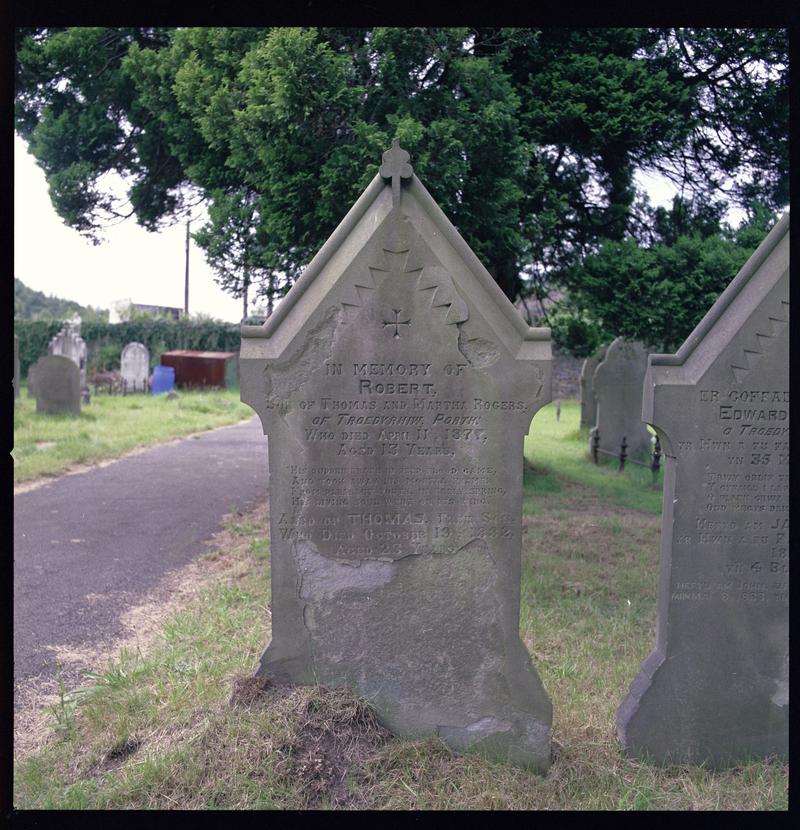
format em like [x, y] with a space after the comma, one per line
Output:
[89, 545]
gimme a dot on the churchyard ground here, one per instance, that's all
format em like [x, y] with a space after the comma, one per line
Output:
[180, 723]
[112, 425]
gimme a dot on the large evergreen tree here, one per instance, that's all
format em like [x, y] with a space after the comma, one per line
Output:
[529, 139]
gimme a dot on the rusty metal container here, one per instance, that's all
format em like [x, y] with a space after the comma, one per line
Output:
[195, 370]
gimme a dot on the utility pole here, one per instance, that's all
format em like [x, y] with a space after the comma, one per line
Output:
[186, 289]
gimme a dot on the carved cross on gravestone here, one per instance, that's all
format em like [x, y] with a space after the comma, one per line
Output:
[397, 322]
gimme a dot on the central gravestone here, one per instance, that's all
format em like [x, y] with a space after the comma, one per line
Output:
[396, 383]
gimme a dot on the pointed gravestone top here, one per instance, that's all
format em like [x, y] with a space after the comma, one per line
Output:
[715, 689]
[396, 383]
[617, 387]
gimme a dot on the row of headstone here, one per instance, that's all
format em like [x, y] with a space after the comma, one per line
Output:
[399, 384]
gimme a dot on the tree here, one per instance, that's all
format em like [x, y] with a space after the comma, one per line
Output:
[233, 240]
[657, 294]
[529, 139]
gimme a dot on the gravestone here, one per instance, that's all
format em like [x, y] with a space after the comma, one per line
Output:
[58, 388]
[588, 402]
[617, 387]
[16, 367]
[396, 383]
[135, 367]
[716, 687]
[68, 342]
[32, 380]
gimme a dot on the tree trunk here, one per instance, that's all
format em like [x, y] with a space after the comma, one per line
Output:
[506, 275]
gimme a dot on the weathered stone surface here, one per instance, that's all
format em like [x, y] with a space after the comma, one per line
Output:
[58, 389]
[396, 384]
[716, 687]
[135, 367]
[617, 385]
[588, 402]
[16, 367]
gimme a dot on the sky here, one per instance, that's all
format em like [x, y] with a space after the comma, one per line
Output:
[132, 263]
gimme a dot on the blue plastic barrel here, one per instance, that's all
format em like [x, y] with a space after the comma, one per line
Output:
[163, 380]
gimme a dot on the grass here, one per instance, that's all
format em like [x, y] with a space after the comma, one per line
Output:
[47, 445]
[559, 450]
[185, 725]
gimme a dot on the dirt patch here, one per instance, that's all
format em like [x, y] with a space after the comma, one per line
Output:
[334, 736]
[226, 559]
[250, 691]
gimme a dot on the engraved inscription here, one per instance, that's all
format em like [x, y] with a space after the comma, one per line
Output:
[741, 515]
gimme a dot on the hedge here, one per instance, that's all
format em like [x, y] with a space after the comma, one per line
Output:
[105, 341]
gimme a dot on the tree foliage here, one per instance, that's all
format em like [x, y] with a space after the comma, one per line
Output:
[529, 139]
[657, 294]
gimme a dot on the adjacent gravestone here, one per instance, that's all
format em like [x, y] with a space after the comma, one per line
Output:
[715, 689]
[588, 402]
[617, 386]
[135, 367]
[16, 367]
[58, 387]
[32, 381]
[396, 383]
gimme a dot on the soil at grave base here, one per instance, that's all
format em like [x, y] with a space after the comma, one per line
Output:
[143, 622]
[332, 735]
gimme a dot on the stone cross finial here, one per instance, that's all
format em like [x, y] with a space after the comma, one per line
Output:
[396, 167]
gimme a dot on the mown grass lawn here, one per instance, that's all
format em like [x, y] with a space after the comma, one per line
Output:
[186, 726]
[46, 445]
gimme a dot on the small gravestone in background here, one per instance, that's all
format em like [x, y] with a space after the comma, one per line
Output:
[715, 689]
[397, 383]
[58, 386]
[617, 385]
[68, 342]
[588, 402]
[16, 367]
[135, 367]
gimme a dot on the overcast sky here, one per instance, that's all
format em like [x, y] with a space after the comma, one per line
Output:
[132, 263]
